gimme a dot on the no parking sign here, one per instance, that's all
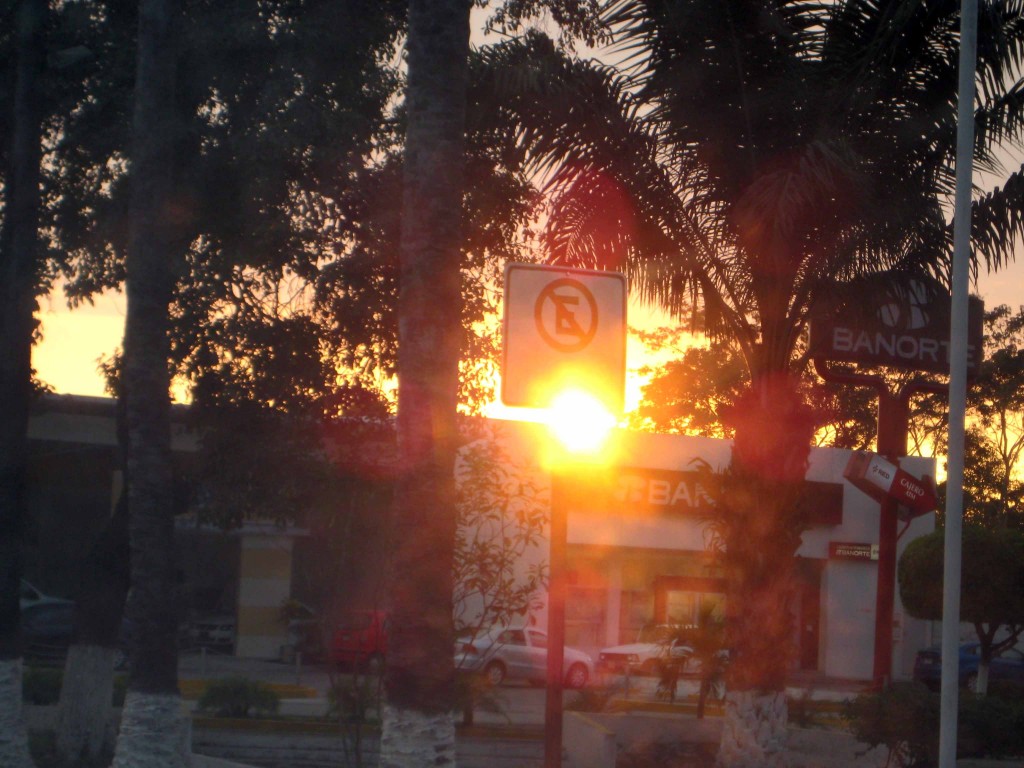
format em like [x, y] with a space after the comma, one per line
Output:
[563, 329]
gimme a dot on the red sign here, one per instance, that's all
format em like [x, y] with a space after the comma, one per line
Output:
[881, 479]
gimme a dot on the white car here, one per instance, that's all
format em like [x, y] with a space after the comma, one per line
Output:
[520, 653]
[654, 646]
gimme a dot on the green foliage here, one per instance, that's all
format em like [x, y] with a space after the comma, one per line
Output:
[352, 698]
[502, 514]
[905, 719]
[691, 393]
[472, 693]
[41, 685]
[238, 697]
[991, 584]
[593, 698]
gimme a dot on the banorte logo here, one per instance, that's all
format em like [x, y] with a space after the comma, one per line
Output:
[908, 315]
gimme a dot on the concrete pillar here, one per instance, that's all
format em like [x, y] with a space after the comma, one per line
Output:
[264, 584]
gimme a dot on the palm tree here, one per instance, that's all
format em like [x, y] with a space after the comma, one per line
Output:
[742, 157]
[417, 726]
[19, 265]
[152, 727]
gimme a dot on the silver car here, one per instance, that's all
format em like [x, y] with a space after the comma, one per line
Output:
[512, 653]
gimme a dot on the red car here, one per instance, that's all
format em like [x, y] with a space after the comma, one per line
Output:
[360, 640]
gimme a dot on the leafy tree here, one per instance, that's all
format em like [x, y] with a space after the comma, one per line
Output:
[997, 399]
[498, 576]
[746, 155]
[991, 594]
[502, 514]
[691, 393]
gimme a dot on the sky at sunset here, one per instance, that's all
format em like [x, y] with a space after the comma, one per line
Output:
[74, 341]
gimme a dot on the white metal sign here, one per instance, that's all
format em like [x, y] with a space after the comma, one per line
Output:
[564, 329]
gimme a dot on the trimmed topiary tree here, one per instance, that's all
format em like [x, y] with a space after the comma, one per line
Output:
[991, 590]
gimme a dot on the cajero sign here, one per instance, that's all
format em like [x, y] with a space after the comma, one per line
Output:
[907, 329]
[563, 328]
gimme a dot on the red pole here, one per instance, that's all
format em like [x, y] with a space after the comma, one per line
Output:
[893, 427]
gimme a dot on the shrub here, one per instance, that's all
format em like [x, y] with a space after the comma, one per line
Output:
[41, 685]
[593, 699]
[238, 697]
[905, 719]
[990, 726]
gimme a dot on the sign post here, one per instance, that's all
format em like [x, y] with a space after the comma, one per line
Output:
[563, 329]
[907, 329]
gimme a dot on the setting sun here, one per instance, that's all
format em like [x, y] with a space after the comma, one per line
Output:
[580, 421]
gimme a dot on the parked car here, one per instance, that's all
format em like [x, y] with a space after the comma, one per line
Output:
[1007, 667]
[29, 596]
[359, 640]
[655, 645]
[47, 630]
[512, 653]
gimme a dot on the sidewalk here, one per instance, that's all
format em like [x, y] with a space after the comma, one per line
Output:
[304, 689]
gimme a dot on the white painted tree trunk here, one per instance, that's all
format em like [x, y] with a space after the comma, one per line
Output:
[13, 736]
[754, 730]
[981, 686]
[85, 703]
[155, 732]
[411, 739]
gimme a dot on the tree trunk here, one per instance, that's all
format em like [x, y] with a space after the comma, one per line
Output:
[418, 728]
[153, 726]
[85, 696]
[18, 279]
[13, 736]
[754, 730]
[85, 704]
[761, 521]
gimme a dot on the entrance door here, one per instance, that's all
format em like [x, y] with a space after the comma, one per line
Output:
[810, 614]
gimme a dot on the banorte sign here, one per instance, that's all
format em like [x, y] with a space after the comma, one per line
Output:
[907, 330]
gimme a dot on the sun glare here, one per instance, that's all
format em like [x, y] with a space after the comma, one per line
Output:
[580, 422]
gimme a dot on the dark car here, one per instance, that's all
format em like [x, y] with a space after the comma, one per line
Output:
[47, 629]
[1007, 667]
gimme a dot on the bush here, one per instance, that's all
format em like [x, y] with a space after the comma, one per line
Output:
[238, 697]
[905, 719]
[594, 698]
[41, 685]
[990, 726]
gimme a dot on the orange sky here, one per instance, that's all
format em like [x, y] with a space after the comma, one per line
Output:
[74, 341]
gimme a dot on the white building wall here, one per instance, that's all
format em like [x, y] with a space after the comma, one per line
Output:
[848, 587]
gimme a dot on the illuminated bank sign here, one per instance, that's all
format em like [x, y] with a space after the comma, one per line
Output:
[909, 331]
[660, 490]
[636, 491]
